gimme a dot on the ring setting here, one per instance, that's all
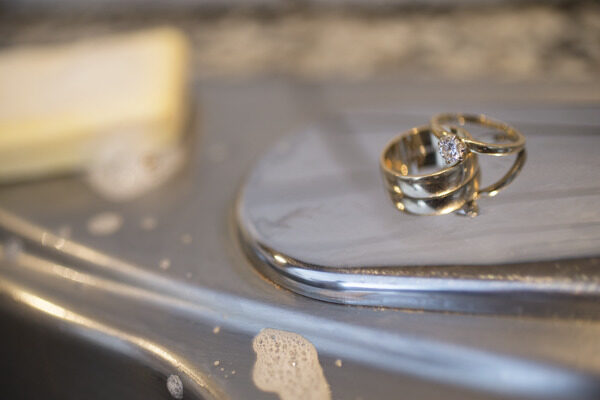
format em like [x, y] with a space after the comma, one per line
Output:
[451, 148]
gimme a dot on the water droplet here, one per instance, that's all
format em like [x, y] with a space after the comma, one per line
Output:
[104, 224]
[60, 243]
[217, 362]
[165, 264]
[338, 363]
[216, 329]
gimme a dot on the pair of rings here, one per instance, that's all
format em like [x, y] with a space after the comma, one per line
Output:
[433, 169]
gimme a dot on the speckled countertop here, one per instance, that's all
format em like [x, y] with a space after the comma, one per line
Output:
[530, 42]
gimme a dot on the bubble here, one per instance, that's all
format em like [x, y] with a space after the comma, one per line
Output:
[126, 165]
[175, 386]
[278, 368]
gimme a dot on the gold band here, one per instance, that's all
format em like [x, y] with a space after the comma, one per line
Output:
[415, 150]
[454, 201]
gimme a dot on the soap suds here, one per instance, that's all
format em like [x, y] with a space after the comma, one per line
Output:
[104, 224]
[164, 264]
[175, 386]
[288, 365]
[128, 164]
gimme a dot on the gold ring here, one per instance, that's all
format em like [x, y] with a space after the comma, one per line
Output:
[455, 142]
[462, 198]
[416, 150]
[444, 126]
[419, 181]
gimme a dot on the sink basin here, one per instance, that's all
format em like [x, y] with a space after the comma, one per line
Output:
[92, 316]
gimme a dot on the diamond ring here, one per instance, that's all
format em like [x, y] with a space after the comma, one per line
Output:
[449, 128]
[455, 142]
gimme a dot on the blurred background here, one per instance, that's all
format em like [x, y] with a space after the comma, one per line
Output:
[342, 39]
[75, 76]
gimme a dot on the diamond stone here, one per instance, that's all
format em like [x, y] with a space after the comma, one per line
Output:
[451, 148]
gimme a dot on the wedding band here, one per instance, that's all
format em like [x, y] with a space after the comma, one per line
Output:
[408, 154]
[441, 124]
[462, 198]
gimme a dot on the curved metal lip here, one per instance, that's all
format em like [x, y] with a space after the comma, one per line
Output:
[521, 289]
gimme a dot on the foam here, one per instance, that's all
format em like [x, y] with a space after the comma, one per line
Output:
[288, 364]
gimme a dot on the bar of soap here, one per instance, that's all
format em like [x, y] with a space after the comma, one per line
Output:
[58, 103]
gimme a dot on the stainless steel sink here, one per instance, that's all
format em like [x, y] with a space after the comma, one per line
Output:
[97, 317]
[47, 363]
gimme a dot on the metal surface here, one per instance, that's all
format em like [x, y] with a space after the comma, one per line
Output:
[89, 307]
[315, 220]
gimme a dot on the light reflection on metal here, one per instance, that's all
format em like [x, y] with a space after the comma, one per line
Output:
[484, 370]
[96, 259]
[470, 367]
[279, 259]
[403, 287]
[57, 311]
